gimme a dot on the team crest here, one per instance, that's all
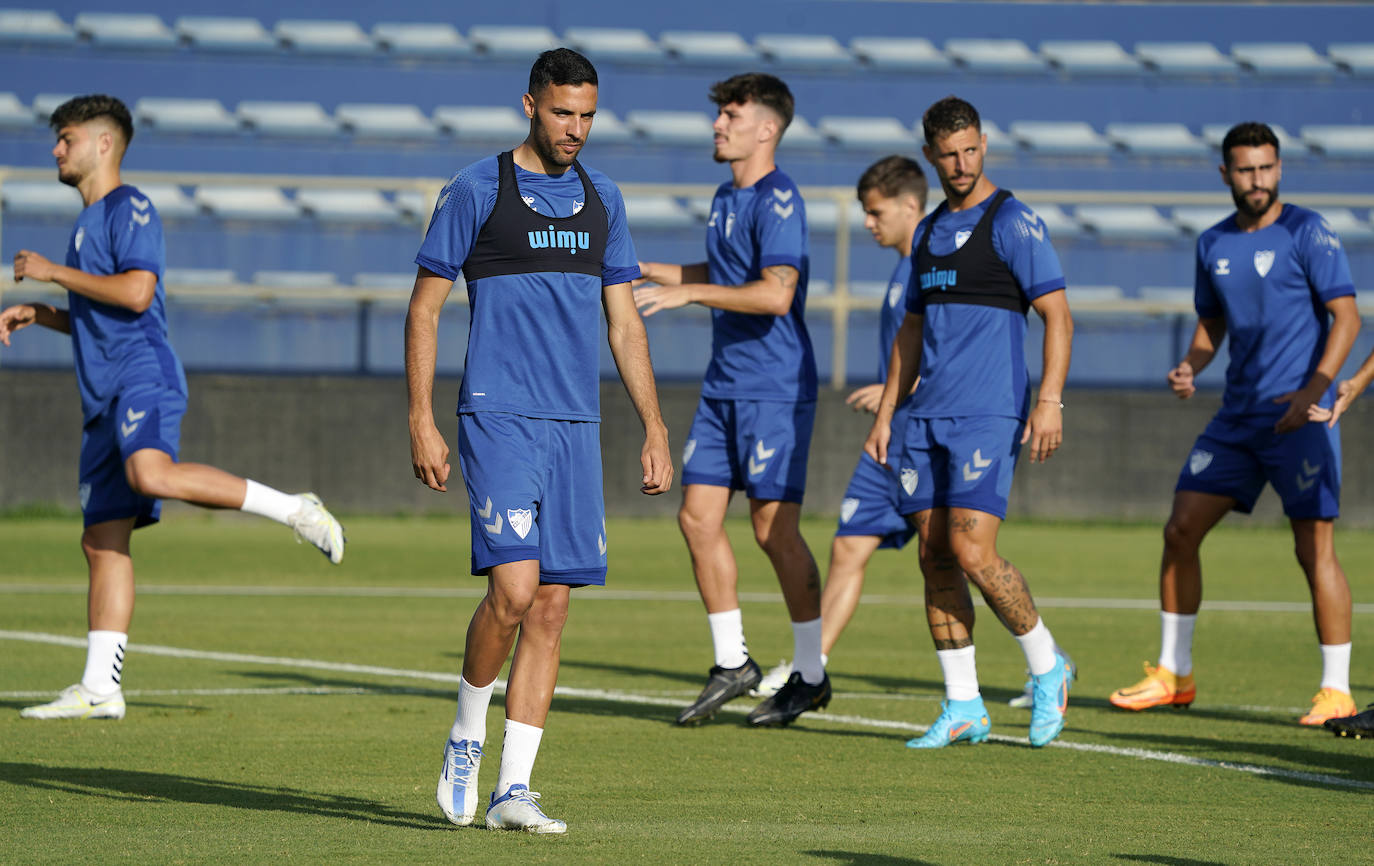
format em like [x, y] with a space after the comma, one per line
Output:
[894, 294]
[520, 520]
[1264, 260]
[909, 479]
[688, 450]
[961, 238]
[80, 236]
[847, 508]
[84, 491]
[1199, 460]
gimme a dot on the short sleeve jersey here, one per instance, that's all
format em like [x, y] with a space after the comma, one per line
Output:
[116, 348]
[1271, 286]
[892, 314]
[973, 358]
[534, 339]
[759, 357]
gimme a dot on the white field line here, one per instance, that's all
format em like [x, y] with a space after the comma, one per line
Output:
[646, 700]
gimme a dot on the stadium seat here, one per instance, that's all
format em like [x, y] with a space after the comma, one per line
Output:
[607, 129]
[308, 36]
[513, 43]
[1168, 296]
[40, 26]
[1184, 58]
[649, 212]
[804, 51]
[400, 282]
[1289, 145]
[288, 119]
[217, 33]
[395, 121]
[1095, 294]
[801, 135]
[481, 123]
[429, 41]
[40, 198]
[199, 277]
[171, 200]
[125, 30]
[1196, 219]
[44, 104]
[185, 115]
[899, 53]
[699, 206]
[414, 205]
[296, 279]
[14, 114]
[1126, 223]
[1352, 230]
[687, 128]
[999, 142]
[1156, 139]
[1281, 59]
[1341, 142]
[868, 133]
[1062, 227]
[703, 46]
[1002, 56]
[1357, 58]
[347, 205]
[823, 214]
[621, 44]
[1066, 138]
[860, 288]
[247, 203]
[1089, 57]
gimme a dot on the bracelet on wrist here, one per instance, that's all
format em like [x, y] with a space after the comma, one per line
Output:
[1059, 403]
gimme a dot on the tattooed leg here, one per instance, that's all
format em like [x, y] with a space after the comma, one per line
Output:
[949, 607]
[973, 537]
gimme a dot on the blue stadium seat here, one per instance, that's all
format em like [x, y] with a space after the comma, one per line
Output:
[1060, 138]
[44, 104]
[430, 40]
[296, 279]
[40, 26]
[513, 43]
[868, 133]
[707, 46]
[1126, 222]
[899, 53]
[1184, 58]
[1357, 58]
[804, 51]
[171, 200]
[219, 33]
[662, 212]
[15, 114]
[1002, 56]
[1157, 139]
[308, 36]
[689, 128]
[482, 123]
[1062, 227]
[385, 120]
[1352, 230]
[1089, 57]
[1340, 141]
[1289, 145]
[1196, 219]
[125, 30]
[347, 206]
[40, 198]
[266, 203]
[622, 44]
[199, 277]
[801, 135]
[1281, 59]
[193, 116]
[287, 119]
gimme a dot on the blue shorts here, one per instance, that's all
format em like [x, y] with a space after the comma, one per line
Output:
[965, 462]
[1235, 457]
[144, 416]
[534, 485]
[870, 505]
[758, 446]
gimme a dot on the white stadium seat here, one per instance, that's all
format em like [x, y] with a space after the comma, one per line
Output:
[296, 279]
[247, 203]
[1340, 141]
[1357, 58]
[1289, 145]
[385, 120]
[608, 128]
[34, 25]
[401, 281]
[999, 142]
[1176, 296]
[218, 33]
[707, 46]
[513, 43]
[1061, 226]
[185, 116]
[1197, 219]
[1127, 222]
[1060, 138]
[1095, 294]
[414, 205]
[689, 128]
[823, 214]
[199, 277]
[1281, 59]
[44, 104]
[1003, 56]
[125, 30]
[623, 44]
[656, 212]
[868, 133]
[347, 205]
[801, 135]
[323, 36]
[865, 288]
[1185, 58]
[482, 123]
[899, 53]
[1349, 228]
[40, 198]
[1157, 139]
[290, 119]
[1089, 57]
[431, 40]
[812, 52]
[14, 114]
[171, 200]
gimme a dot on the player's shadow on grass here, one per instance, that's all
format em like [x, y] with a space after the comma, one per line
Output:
[1167, 861]
[693, 678]
[308, 681]
[140, 786]
[858, 858]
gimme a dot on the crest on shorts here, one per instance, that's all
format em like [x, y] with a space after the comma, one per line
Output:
[520, 520]
[1199, 460]
[909, 479]
[1264, 260]
[847, 508]
[688, 450]
[84, 491]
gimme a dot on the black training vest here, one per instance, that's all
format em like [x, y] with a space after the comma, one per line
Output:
[517, 240]
[973, 273]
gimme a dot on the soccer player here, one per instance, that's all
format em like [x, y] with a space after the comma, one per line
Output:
[1273, 276]
[543, 244]
[752, 429]
[133, 394]
[980, 261]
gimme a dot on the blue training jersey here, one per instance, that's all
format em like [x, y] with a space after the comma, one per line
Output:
[534, 339]
[973, 358]
[115, 347]
[893, 312]
[759, 357]
[1271, 286]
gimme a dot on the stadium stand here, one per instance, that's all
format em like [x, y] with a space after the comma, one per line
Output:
[709, 47]
[185, 116]
[287, 119]
[385, 121]
[657, 212]
[1351, 142]
[307, 36]
[40, 199]
[1197, 219]
[481, 124]
[1089, 57]
[1060, 138]
[125, 30]
[691, 128]
[199, 277]
[221, 33]
[1357, 58]
[263, 203]
[40, 26]
[430, 41]
[13, 113]
[514, 43]
[1281, 59]
[867, 133]
[1126, 222]
[1157, 139]
[623, 44]
[1184, 58]
[171, 201]
[899, 54]
[296, 279]
[348, 205]
[1004, 56]
[809, 52]
[800, 135]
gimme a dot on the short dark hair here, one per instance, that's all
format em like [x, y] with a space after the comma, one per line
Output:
[767, 90]
[1248, 134]
[560, 66]
[895, 175]
[948, 116]
[80, 109]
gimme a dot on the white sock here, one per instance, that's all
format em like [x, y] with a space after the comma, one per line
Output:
[961, 673]
[1038, 645]
[269, 502]
[1176, 641]
[727, 636]
[471, 721]
[517, 755]
[806, 651]
[1336, 667]
[105, 661]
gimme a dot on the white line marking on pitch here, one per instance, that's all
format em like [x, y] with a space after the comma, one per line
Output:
[645, 700]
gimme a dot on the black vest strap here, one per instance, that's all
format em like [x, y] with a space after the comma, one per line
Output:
[973, 273]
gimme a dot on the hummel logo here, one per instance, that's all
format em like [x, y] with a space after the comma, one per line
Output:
[757, 466]
[131, 425]
[688, 450]
[1308, 476]
[783, 212]
[1223, 267]
[1035, 227]
[764, 453]
[979, 464]
[439, 205]
[495, 526]
[138, 203]
[783, 195]
[601, 544]
[484, 513]
[711, 223]
[141, 218]
[894, 294]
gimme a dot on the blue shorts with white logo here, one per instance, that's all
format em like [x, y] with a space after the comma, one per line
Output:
[144, 416]
[758, 446]
[965, 462]
[870, 505]
[534, 485]
[1235, 457]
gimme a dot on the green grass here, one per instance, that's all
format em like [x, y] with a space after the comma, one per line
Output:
[349, 777]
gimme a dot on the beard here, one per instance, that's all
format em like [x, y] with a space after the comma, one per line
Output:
[550, 153]
[70, 176]
[1243, 204]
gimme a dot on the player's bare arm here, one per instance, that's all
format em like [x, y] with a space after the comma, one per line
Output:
[630, 348]
[428, 450]
[1207, 336]
[1045, 425]
[902, 372]
[133, 290]
[665, 274]
[1347, 390]
[771, 295]
[1345, 327]
[20, 316]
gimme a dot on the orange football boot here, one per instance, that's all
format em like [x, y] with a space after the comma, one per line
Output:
[1329, 704]
[1161, 687]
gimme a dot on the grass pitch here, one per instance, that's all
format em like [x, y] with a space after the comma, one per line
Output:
[281, 709]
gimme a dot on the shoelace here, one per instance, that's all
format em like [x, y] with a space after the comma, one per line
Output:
[462, 762]
[527, 796]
